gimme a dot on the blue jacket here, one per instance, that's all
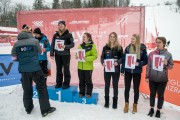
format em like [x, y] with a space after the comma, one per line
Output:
[43, 40]
[26, 49]
[142, 61]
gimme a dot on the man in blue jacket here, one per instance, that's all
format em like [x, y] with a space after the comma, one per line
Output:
[26, 50]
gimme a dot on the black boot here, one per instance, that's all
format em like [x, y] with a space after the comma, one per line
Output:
[158, 114]
[114, 102]
[106, 105]
[151, 112]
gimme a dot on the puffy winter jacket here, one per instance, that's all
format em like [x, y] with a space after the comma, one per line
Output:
[109, 53]
[45, 42]
[142, 61]
[68, 42]
[158, 76]
[26, 50]
[90, 56]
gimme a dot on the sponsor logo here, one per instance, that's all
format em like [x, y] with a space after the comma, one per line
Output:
[6, 70]
[79, 22]
[24, 49]
[121, 20]
[38, 23]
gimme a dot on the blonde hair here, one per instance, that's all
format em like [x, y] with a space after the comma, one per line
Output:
[116, 42]
[136, 48]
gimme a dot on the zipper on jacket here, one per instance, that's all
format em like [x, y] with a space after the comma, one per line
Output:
[157, 71]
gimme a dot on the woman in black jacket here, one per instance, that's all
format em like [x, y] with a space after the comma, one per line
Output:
[112, 50]
[135, 47]
[62, 57]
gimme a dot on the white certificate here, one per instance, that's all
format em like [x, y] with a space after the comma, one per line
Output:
[130, 61]
[109, 65]
[59, 45]
[81, 55]
[158, 62]
[42, 46]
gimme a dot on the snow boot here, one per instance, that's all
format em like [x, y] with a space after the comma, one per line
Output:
[114, 106]
[106, 105]
[158, 114]
[134, 108]
[151, 112]
[126, 107]
[52, 109]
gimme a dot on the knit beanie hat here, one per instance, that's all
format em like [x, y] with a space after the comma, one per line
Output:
[37, 31]
[62, 22]
[24, 26]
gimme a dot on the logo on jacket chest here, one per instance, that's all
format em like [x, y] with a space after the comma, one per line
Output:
[26, 48]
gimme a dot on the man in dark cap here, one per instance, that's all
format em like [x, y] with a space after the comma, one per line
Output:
[25, 28]
[26, 50]
[45, 47]
[62, 55]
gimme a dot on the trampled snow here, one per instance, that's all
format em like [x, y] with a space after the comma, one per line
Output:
[11, 108]
[167, 23]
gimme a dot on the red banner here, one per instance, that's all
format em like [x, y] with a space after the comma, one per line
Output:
[100, 22]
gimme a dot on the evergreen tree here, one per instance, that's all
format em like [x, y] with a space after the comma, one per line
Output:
[178, 3]
[105, 3]
[55, 4]
[96, 3]
[66, 4]
[77, 4]
[38, 5]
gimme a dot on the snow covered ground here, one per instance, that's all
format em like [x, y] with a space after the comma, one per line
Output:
[167, 22]
[11, 108]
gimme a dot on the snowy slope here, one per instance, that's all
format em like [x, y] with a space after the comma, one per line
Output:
[11, 108]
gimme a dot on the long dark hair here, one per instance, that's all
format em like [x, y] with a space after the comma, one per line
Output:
[89, 37]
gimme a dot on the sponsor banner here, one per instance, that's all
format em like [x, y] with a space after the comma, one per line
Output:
[9, 74]
[100, 22]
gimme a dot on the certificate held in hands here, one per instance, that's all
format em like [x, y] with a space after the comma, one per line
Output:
[130, 61]
[158, 62]
[81, 55]
[42, 46]
[59, 45]
[109, 65]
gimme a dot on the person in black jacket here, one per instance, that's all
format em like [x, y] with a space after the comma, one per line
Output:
[62, 56]
[112, 50]
[26, 51]
[135, 47]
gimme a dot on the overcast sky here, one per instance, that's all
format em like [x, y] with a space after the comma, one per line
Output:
[29, 2]
[145, 2]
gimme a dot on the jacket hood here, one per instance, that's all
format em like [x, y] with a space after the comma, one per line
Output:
[24, 35]
[41, 36]
[65, 32]
[160, 51]
[90, 42]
